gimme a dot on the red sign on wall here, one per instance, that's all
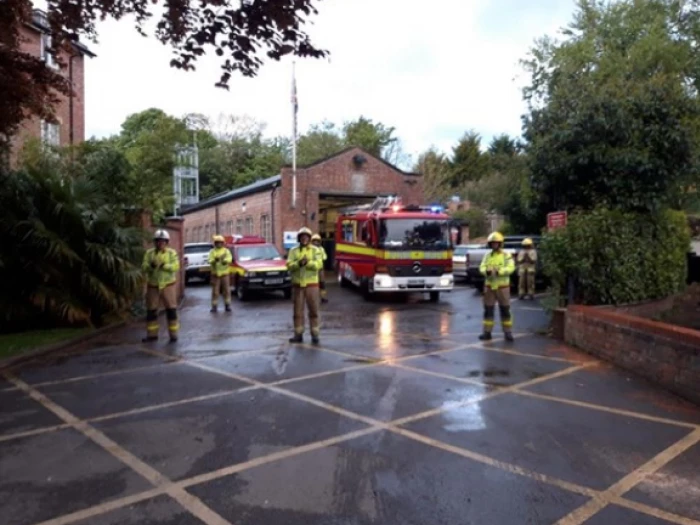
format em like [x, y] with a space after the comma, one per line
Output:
[556, 219]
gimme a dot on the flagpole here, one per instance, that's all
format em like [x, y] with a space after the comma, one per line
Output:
[294, 136]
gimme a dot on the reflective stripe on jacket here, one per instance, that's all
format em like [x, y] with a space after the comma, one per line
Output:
[220, 261]
[161, 276]
[503, 263]
[306, 275]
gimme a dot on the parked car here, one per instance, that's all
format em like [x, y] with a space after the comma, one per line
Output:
[512, 244]
[460, 260]
[196, 259]
[257, 266]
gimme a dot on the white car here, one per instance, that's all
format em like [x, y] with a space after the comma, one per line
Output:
[196, 258]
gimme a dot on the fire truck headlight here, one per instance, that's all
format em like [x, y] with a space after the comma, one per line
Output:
[445, 281]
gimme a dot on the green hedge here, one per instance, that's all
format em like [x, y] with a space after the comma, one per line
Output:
[617, 257]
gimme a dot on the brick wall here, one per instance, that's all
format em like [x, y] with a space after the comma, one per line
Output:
[202, 224]
[31, 127]
[666, 354]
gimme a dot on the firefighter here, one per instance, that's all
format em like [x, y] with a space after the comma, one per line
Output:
[316, 241]
[497, 267]
[304, 262]
[220, 262]
[161, 265]
[527, 260]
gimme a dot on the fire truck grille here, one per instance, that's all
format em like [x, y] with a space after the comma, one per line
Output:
[414, 270]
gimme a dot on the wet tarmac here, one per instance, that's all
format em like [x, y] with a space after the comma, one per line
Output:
[400, 417]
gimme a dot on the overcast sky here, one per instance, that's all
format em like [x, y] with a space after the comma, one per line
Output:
[432, 73]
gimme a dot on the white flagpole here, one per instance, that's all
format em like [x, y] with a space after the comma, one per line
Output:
[294, 136]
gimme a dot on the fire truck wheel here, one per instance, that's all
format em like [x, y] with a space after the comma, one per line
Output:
[434, 297]
[367, 291]
[342, 281]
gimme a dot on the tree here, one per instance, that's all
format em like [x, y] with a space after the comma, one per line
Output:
[435, 168]
[468, 162]
[321, 141]
[240, 33]
[614, 114]
[373, 137]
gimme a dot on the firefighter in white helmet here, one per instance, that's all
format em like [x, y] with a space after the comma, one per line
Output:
[161, 265]
[304, 262]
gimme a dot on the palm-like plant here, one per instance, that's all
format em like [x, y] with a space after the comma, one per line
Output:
[66, 257]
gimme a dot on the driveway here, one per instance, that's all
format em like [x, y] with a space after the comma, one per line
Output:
[401, 416]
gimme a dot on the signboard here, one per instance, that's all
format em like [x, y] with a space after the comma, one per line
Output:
[556, 219]
[289, 239]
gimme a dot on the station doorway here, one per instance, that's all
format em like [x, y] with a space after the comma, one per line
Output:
[329, 207]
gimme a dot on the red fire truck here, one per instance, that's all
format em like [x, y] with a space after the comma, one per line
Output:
[389, 247]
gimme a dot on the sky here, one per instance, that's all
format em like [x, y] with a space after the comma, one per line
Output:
[431, 73]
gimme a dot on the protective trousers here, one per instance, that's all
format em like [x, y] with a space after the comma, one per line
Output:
[220, 285]
[308, 296]
[526, 281]
[322, 285]
[168, 296]
[502, 297]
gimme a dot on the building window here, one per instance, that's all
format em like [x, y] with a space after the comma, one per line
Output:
[239, 227]
[229, 228]
[46, 51]
[50, 133]
[249, 225]
[266, 228]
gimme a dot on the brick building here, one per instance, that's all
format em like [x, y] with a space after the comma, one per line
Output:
[69, 127]
[264, 208]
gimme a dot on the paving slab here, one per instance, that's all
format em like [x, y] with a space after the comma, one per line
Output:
[580, 445]
[611, 387]
[157, 511]
[386, 346]
[104, 359]
[225, 344]
[540, 346]
[616, 515]
[199, 437]
[136, 389]
[674, 488]
[383, 478]
[58, 473]
[385, 392]
[20, 413]
[287, 363]
[488, 367]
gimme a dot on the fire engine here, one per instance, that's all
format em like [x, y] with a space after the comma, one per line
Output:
[389, 247]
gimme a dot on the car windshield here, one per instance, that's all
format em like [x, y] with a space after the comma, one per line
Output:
[258, 253]
[414, 233]
[198, 248]
[461, 250]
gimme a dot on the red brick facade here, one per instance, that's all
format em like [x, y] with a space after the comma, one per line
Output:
[73, 59]
[663, 353]
[350, 173]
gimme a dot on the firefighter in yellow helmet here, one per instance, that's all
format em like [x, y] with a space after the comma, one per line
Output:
[220, 263]
[304, 263]
[316, 241]
[497, 267]
[161, 265]
[527, 262]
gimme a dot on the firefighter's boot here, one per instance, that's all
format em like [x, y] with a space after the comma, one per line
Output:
[214, 309]
[228, 307]
[509, 337]
[486, 336]
[298, 338]
[315, 340]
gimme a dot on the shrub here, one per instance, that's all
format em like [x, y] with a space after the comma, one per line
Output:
[616, 257]
[65, 259]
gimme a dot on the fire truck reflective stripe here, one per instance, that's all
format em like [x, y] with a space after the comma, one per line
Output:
[353, 248]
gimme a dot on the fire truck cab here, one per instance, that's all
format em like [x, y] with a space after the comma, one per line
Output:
[389, 247]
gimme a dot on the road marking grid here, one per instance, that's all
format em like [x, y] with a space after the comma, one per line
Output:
[611, 495]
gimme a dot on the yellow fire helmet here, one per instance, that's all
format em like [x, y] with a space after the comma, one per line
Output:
[527, 242]
[495, 237]
[315, 237]
[219, 238]
[304, 231]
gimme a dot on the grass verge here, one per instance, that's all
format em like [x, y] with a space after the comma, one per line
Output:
[13, 344]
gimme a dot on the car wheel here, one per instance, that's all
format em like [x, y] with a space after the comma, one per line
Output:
[434, 297]
[287, 293]
[240, 292]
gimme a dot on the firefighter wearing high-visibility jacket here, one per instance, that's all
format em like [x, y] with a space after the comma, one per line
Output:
[304, 262]
[527, 263]
[497, 267]
[160, 266]
[316, 241]
[220, 264]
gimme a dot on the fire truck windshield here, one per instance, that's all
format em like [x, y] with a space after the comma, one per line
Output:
[414, 233]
